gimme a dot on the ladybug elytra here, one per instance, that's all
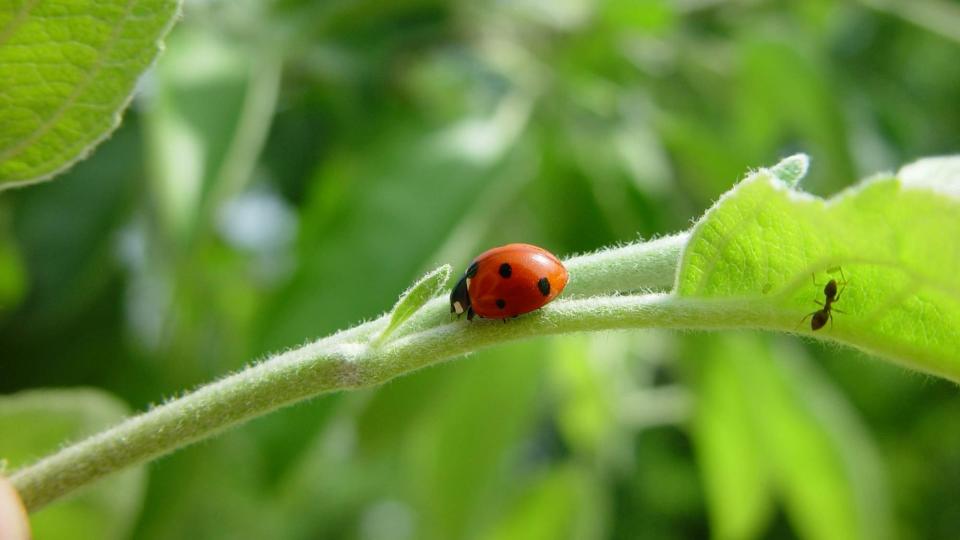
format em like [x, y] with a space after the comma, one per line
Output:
[508, 281]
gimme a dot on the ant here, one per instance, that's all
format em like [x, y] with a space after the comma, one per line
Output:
[831, 296]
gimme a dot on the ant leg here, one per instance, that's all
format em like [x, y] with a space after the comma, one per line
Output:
[799, 324]
[813, 278]
[838, 310]
[843, 284]
[843, 287]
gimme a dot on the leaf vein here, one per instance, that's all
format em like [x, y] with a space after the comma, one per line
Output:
[44, 128]
[17, 20]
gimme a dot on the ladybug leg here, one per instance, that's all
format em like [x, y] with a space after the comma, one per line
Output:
[470, 313]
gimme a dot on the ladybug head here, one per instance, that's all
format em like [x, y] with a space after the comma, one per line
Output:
[460, 295]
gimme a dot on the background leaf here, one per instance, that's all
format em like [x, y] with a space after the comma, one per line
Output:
[68, 69]
[736, 472]
[13, 275]
[107, 510]
[558, 506]
[769, 427]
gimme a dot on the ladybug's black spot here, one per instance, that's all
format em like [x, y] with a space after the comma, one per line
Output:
[544, 286]
[501, 303]
[472, 271]
[505, 270]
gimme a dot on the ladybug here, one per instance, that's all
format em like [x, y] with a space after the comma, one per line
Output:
[508, 281]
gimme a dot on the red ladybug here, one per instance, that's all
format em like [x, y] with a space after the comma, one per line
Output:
[507, 281]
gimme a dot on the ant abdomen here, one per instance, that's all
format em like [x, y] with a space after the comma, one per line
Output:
[819, 319]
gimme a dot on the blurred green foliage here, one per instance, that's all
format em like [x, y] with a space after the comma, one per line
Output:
[290, 167]
[35, 422]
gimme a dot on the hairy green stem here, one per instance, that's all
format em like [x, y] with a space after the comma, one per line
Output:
[348, 360]
[641, 266]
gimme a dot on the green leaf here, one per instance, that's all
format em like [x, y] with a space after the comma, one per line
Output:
[827, 469]
[34, 423]
[564, 504]
[461, 459]
[13, 274]
[213, 491]
[68, 70]
[585, 405]
[415, 297]
[770, 249]
[737, 481]
[598, 403]
[767, 423]
[791, 170]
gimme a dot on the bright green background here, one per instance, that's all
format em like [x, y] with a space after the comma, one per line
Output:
[400, 135]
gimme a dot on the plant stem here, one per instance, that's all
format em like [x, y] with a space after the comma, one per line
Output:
[347, 360]
[642, 266]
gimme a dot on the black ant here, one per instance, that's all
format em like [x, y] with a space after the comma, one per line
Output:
[831, 296]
